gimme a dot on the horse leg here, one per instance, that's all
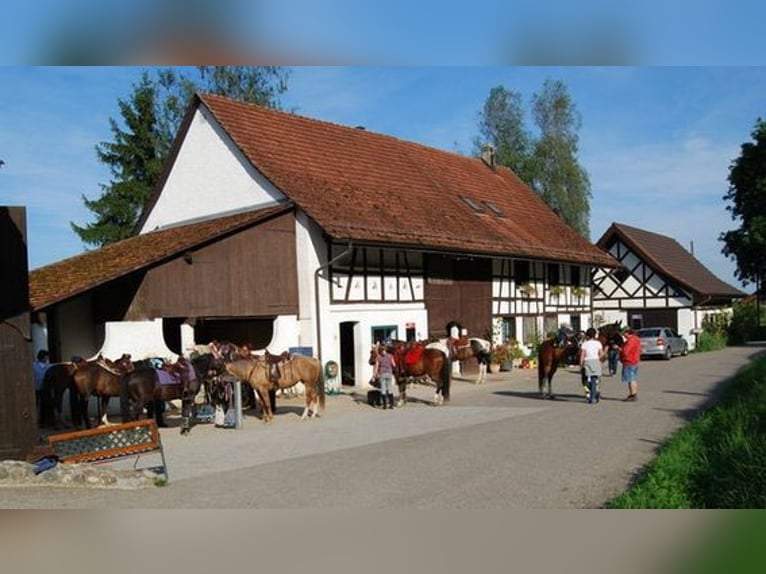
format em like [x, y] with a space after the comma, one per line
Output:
[103, 407]
[542, 384]
[402, 400]
[159, 413]
[482, 373]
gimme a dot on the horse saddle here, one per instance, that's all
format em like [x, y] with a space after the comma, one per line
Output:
[274, 362]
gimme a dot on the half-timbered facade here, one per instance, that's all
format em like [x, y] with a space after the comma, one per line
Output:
[297, 233]
[659, 283]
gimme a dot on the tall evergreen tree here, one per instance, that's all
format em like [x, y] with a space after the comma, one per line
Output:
[559, 178]
[151, 118]
[747, 204]
[135, 166]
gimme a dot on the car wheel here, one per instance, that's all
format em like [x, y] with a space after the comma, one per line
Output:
[685, 351]
[668, 353]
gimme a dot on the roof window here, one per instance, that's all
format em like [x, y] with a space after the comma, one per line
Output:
[472, 204]
[495, 209]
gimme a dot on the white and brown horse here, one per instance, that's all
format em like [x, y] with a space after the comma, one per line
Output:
[466, 348]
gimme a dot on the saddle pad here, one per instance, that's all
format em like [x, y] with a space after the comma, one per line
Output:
[413, 355]
[165, 378]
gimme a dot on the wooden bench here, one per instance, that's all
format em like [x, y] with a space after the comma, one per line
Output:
[110, 442]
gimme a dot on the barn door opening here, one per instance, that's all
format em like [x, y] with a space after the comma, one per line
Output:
[347, 352]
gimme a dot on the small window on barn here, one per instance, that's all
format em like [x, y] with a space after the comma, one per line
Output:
[495, 209]
[472, 204]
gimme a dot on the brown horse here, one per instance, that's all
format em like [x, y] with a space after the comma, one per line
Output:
[57, 380]
[297, 368]
[419, 360]
[101, 378]
[147, 386]
[549, 357]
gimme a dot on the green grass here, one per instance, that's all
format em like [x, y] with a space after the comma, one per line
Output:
[716, 461]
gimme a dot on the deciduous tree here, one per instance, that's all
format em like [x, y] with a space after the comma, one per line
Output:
[547, 163]
[747, 204]
[558, 176]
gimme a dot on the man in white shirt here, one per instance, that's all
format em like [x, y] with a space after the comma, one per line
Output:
[591, 356]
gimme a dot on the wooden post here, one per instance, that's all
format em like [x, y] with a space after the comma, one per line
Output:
[18, 413]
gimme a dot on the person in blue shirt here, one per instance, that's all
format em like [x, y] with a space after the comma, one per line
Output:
[41, 364]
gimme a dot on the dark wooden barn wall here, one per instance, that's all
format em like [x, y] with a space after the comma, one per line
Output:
[250, 274]
[18, 416]
[458, 290]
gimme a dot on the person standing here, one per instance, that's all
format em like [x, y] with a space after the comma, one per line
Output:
[39, 367]
[630, 356]
[591, 357]
[613, 352]
[384, 372]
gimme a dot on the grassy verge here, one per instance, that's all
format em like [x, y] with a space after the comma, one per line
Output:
[716, 461]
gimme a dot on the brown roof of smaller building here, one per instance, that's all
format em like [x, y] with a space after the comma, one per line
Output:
[70, 277]
[368, 187]
[668, 257]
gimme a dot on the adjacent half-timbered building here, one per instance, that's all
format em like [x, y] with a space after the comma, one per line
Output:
[659, 283]
[288, 232]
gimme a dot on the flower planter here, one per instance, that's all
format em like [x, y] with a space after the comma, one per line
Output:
[494, 367]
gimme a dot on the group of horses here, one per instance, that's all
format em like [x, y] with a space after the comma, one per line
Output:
[416, 361]
[551, 355]
[144, 385]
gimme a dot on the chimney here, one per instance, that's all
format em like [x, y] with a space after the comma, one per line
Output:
[488, 154]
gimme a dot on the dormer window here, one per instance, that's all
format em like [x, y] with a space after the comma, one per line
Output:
[472, 204]
[495, 209]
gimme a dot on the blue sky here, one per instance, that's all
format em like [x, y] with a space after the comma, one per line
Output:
[675, 32]
[656, 142]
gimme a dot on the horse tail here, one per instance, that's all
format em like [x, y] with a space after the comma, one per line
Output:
[446, 376]
[321, 390]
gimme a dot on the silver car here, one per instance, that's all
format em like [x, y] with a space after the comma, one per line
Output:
[663, 342]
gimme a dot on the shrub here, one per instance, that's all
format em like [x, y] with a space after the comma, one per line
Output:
[744, 323]
[710, 342]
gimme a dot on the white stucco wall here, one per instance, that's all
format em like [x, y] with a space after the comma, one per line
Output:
[210, 175]
[142, 339]
[367, 316]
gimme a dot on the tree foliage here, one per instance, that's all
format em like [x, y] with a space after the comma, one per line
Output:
[501, 123]
[747, 205]
[547, 163]
[150, 118]
[135, 165]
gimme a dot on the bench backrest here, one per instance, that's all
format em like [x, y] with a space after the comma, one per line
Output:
[108, 442]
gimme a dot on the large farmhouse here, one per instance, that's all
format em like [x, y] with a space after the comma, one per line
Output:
[659, 284]
[291, 233]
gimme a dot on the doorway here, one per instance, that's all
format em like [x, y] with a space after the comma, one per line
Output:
[347, 353]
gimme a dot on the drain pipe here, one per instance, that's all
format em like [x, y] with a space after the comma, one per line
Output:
[316, 298]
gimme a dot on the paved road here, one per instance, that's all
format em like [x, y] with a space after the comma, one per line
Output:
[495, 446]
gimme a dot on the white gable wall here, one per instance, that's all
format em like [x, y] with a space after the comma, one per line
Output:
[210, 175]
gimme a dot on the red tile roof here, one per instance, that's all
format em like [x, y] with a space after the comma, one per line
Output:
[369, 187]
[70, 277]
[668, 257]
